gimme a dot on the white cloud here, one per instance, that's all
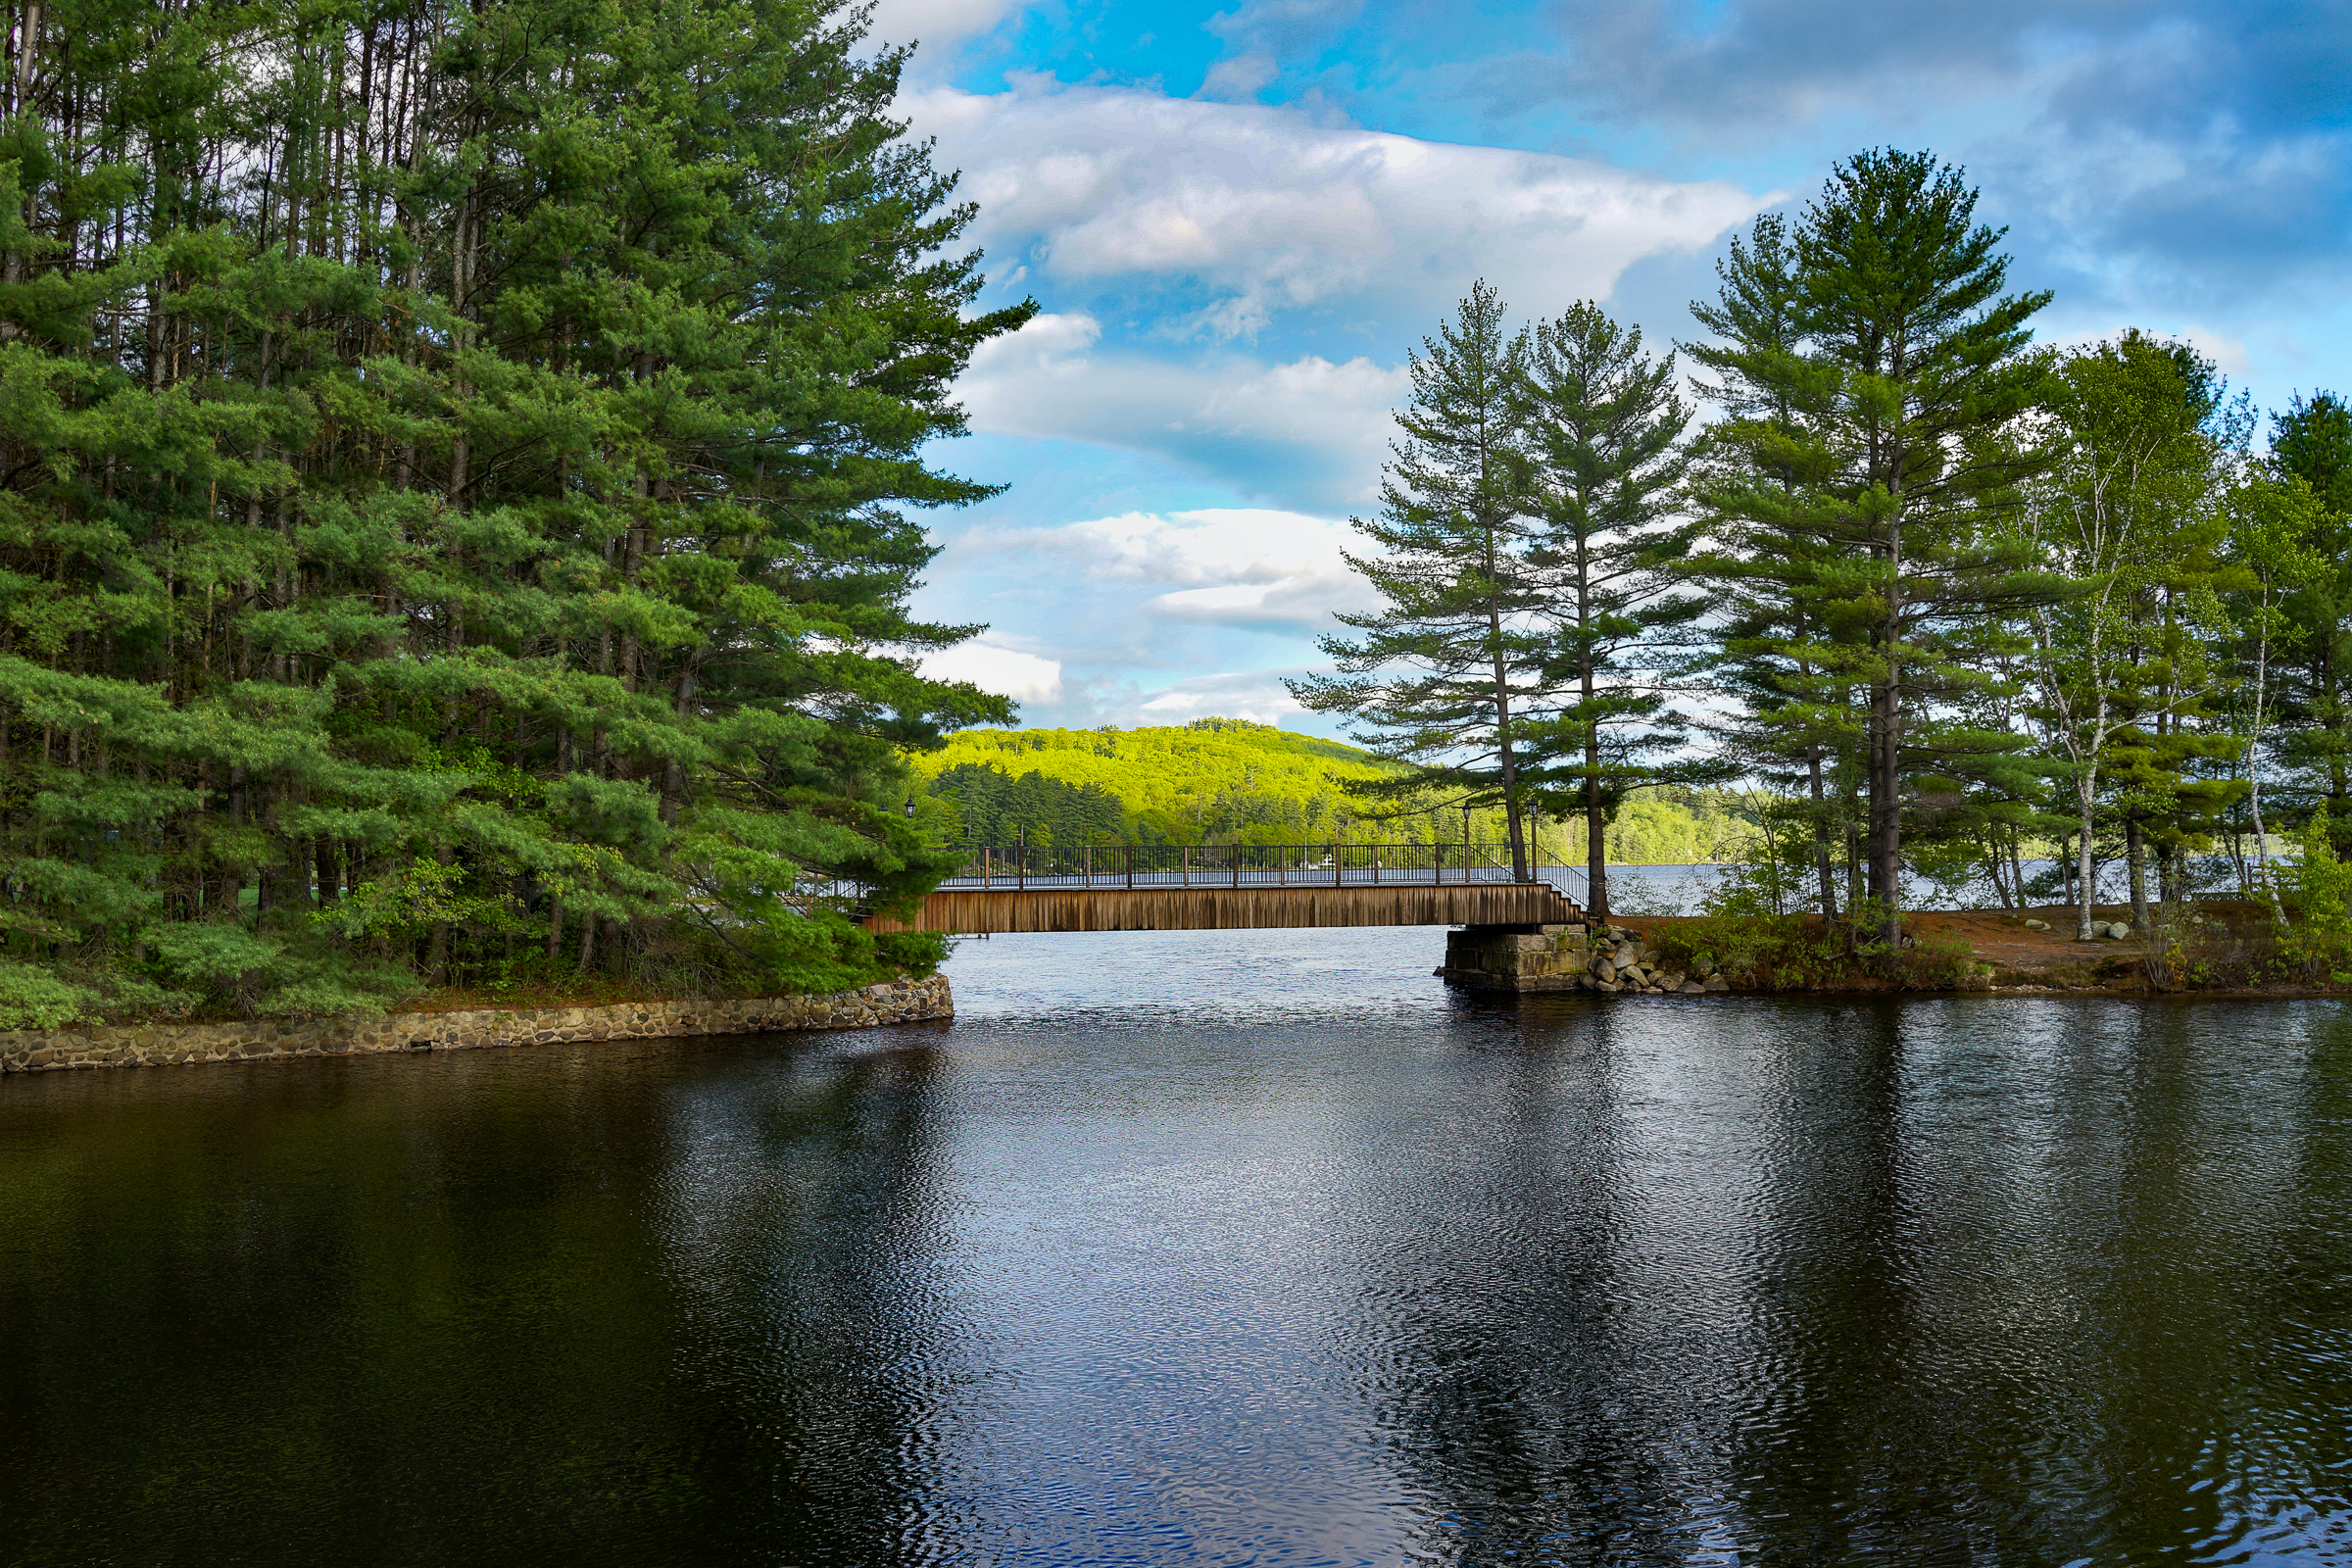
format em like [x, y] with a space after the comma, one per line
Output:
[1257, 695]
[936, 23]
[995, 667]
[1244, 568]
[1311, 429]
[2228, 354]
[1269, 210]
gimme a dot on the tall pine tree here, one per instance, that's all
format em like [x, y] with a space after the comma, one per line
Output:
[1448, 669]
[453, 523]
[1602, 424]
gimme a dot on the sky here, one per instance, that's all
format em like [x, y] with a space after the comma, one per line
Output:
[1239, 222]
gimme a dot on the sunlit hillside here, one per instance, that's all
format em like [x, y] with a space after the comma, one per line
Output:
[1219, 781]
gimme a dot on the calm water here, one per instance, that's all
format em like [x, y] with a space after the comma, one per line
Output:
[1252, 1249]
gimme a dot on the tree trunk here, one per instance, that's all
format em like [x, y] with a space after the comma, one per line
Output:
[1821, 836]
[1596, 847]
[2134, 849]
[2085, 882]
[1887, 837]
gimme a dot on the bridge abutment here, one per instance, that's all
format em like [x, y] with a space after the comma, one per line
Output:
[1579, 956]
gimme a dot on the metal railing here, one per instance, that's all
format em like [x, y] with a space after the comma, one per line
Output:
[1022, 866]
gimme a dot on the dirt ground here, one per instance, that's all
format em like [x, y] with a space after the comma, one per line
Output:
[2029, 960]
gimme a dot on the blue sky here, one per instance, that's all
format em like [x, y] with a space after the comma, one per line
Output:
[1238, 222]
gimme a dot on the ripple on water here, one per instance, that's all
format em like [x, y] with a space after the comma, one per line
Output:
[1250, 1248]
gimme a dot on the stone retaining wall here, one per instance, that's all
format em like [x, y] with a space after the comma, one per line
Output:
[176, 1045]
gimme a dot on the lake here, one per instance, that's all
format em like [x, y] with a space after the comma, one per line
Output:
[1255, 1247]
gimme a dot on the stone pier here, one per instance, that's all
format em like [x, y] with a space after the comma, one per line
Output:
[1577, 956]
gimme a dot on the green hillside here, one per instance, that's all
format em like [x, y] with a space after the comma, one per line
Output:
[1212, 781]
[1223, 780]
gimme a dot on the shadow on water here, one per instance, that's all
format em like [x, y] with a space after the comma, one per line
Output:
[521, 1306]
[1172, 1250]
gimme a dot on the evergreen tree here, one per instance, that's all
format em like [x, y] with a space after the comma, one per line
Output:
[1795, 718]
[1448, 672]
[1897, 456]
[453, 513]
[2311, 441]
[1603, 429]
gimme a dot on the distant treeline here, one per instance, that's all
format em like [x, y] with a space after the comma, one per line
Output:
[1229, 780]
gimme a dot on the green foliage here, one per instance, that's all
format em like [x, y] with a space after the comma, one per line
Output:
[32, 998]
[1874, 370]
[456, 524]
[2316, 888]
[1602, 424]
[1212, 781]
[1449, 668]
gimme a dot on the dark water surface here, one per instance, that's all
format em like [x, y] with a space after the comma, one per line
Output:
[1202, 1248]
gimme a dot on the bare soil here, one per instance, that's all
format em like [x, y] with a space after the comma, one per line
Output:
[2235, 942]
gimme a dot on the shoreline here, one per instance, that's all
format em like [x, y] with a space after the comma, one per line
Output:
[467, 1029]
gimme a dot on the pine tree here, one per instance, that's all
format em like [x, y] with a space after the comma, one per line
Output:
[1603, 426]
[2311, 441]
[1797, 719]
[1446, 672]
[1897, 455]
[453, 510]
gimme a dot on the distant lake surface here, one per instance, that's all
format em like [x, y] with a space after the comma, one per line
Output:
[1249, 1248]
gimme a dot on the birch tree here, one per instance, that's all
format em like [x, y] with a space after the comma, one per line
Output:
[2131, 472]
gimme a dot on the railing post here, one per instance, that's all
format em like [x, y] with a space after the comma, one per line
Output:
[987, 864]
[1021, 866]
[1237, 864]
[1089, 866]
[1188, 866]
[1130, 867]
[1282, 869]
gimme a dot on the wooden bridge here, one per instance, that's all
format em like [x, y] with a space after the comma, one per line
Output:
[1239, 886]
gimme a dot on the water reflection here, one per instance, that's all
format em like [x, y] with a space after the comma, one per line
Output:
[1172, 1250]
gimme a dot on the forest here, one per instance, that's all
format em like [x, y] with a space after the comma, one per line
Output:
[459, 476]
[1235, 781]
[1951, 596]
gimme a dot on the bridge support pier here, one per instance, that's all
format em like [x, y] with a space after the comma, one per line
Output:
[1579, 956]
[1518, 958]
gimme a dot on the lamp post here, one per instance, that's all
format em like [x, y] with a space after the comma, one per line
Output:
[1465, 841]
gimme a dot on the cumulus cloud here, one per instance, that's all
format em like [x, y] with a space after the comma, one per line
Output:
[2228, 354]
[937, 25]
[1311, 430]
[994, 666]
[1240, 568]
[1259, 695]
[2177, 150]
[1265, 210]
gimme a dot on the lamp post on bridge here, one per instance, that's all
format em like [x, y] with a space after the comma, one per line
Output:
[1465, 843]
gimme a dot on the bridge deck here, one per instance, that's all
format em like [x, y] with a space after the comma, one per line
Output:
[1069, 908]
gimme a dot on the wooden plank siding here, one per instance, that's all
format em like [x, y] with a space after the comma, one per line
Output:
[977, 911]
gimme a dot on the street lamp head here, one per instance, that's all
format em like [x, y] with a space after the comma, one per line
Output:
[911, 807]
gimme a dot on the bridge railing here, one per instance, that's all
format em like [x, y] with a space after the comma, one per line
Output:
[1022, 866]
